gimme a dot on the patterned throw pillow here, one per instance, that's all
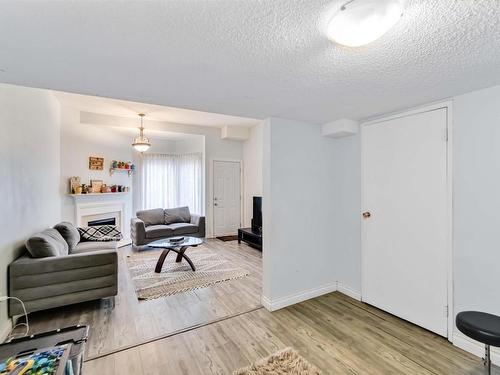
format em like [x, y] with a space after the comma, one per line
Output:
[101, 233]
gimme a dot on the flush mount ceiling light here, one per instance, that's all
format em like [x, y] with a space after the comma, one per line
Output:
[141, 143]
[359, 22]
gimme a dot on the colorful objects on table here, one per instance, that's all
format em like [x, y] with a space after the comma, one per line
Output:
[43, 362]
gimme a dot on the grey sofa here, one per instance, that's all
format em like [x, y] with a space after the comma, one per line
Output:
[59, 270]
[158, 223]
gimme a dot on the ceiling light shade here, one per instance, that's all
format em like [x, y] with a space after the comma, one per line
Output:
[359, 22]
[141, 143]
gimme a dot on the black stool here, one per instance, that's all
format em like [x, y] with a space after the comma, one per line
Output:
[481, 327]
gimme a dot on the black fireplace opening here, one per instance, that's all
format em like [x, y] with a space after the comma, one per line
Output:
[108, 221]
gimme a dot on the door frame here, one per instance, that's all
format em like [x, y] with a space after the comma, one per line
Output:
[448, 105]
[212, 172]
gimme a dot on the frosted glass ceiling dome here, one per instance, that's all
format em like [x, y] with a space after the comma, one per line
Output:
[359, 22]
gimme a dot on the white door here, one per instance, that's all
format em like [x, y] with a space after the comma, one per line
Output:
[226, 199]
[405, 236]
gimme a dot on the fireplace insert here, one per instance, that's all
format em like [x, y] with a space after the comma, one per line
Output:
[109, 221]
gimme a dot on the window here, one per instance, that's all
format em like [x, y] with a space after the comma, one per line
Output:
[168, 181]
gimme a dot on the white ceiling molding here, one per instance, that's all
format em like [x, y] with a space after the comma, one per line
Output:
[151, 125]
[172, 115]
[234, 133]
[340, 128]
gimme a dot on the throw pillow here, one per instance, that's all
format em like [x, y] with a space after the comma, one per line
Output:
[69, 233]
[152, 217]
[100, 233]
[48, 243]
[177, 215]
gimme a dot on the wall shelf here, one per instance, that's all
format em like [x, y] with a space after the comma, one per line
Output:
[113, 170]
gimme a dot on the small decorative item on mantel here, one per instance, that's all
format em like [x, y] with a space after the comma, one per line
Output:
[96, 185]
[85, 188]
[105, 189]
[74, 183]
[96, 163]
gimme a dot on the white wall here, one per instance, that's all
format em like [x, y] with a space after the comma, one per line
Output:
[78, 142]
[252, 171]
[476, 234]
[30, 169]
[298, 178]
[345, 229]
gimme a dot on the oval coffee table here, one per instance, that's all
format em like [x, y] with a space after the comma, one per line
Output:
[177, 247]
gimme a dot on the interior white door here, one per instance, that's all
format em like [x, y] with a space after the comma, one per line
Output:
[405, 235]
[227, 198]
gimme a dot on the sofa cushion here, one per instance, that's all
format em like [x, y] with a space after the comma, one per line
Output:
[183, 228]
[90, 246]
[69, 233]
[159, 231]
[48, 243]
[177, 215]
[152, 217]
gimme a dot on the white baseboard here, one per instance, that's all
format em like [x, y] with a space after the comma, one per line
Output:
[279, 303]
[475, 347]
[348, 291]
[4, 333]
[266, 302]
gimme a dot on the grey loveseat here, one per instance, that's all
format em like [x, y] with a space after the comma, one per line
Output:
[158, 223]
[59, 270]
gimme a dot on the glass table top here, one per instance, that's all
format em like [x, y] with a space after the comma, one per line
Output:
[167, 242]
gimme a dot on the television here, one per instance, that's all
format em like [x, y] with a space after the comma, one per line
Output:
[257, 214]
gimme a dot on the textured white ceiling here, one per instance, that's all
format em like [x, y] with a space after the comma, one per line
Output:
[249, 58]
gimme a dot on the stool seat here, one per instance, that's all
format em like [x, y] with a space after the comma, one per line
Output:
[480, 326]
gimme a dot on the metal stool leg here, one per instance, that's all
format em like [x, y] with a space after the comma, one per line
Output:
[487, 359]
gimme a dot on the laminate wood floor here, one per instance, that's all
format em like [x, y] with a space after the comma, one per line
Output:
[334, 332]
[132, 322]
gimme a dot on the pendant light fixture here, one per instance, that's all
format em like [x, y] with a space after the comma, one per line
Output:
[141, 143]
[359, 22]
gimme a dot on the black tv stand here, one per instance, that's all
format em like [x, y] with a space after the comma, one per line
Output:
[252, 237]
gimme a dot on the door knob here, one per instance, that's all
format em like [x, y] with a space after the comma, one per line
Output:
[215, 204]
[366, 215]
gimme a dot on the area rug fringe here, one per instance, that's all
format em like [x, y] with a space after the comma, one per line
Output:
[160, 291]
[286, 361]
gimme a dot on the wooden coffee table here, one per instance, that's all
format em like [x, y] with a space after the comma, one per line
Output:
[177, 247]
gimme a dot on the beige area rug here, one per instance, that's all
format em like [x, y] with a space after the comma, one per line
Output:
[178, 277]
[286, 361]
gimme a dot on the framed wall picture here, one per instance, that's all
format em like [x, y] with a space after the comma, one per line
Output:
[96, 164]
[96, 185]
